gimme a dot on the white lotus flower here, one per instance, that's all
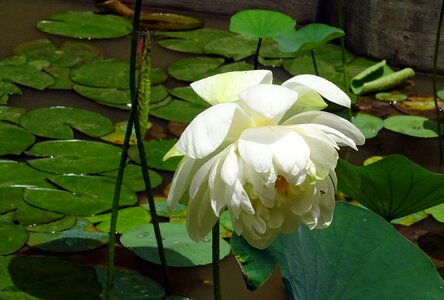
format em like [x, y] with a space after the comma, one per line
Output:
[265, 152]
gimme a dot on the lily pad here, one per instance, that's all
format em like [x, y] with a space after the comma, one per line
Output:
[38, 277]
[352, 251]
[391, 96]
[85, 25]
[10, 199]
[180, 250]
[81, 237]
[118, 135]
[74, 157]
[57, 122]
[20, 175]
[58, 225]
[82, 195]
[412, 125]
[13, 237]
[155, 151]
[393, 187]
[62, 78]
[178, 110]
[128, 219]
[14, 139]
[27, 214]
[309, 37]
[236, 47]
[194, 68]
[103, 73]
[133, 178]
[26, 75]
[179, 210]
[261, 23]
[437, 212]
[188, 94]
[368, 124]
[7, 89]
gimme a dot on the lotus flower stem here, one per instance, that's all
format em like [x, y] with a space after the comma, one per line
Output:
[314, 62]
[256, 56]
[216, 257]
[435, 63]
[132, 121]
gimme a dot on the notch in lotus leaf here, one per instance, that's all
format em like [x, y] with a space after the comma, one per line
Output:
[308, 38]
[260, 24]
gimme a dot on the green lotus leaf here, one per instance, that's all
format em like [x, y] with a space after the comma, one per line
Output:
[188, 94]
[393, 187]
[191, 41]
[133, 178]
[57, 122]
[10, 199]
[74, 157]
[237, 47]
[129, 218]
[194, 68]
[85, 25]
[178, 211]
[158, 76]
[364, 255]
[178, 110]
[155, 151]
[118, 135]
[81, 237]
[103, 73]
[7, 89]
[16, 60]
[82, 195]
[180, 250]
[38, 277]
[20, 175]
[416, 126]
[437, 212]
[391, 96]
[62, 78]
[25, 75]
[236, 66]
[261, 23]
[13, 237]
[130, 285]
[309, 37]
[368, 124]
[14, 139]
[272, 51]
[64, 223]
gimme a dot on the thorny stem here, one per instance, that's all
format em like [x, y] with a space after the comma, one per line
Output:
[435, 63]
[256, 56]
[216, 256]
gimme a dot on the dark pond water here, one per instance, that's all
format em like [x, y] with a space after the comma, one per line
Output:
[17, 25]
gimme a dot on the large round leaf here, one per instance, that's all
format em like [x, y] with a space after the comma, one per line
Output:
[393, 187]
[7, 88]
[37, 277]
[85, 24]
[13, 237]
[58, 225]
[14, 139]
[26, 75]
[82, 195]
[133, 178]
[368, 124]
[81, 237]
[178, 111]
[103, 73]
[194, 68]
[128, 218]
[180, 250]
[412, 125]
[155, 151]
[236, 47]
[56, 122]
[261, 23]
[75, 157]
[360, 256]
[14, 174]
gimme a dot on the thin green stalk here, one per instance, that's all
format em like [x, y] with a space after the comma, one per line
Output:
[256, 56]
[314, 62]
[435, 63]
[216, 257]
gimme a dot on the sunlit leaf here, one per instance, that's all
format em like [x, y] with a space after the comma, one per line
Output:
[14, 139]
[178, 110]
[25, 75]
[188, 94]
[155, 151]
[38, 277]
[7, 89]
[118, 135]
[57, 122]
[411, 219]
[368, 124]
[261, 23]
[128, 219]
[85, 24]
[103, 73]
[27, 214]
[360, 256]
[393, 187]
[81, 237]
[133, 178]
[15, 174]
[180, 250]
[390, 96]
[74, 157]
[13, 237]
[58, 225]
[437, 212]
[236, 47]
[194, 68]
[179, 210]
[416, 126]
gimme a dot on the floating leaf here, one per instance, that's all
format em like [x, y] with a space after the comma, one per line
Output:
[15, 174]
[437, 212]
[108, 96]
[10, 199]
[30, 215]
[155, 151]
[133, 178]
[13, 237]
[412, 125]
[393, 187]
[14, 139]
[178, 211]
[38, 277]
[85, 24]
[62, 78]
[261, 23]
[178, 111]
[56, 122]
[180, 250]
[191, 41]
[74, 157]
[337, 253]
[188, 94]
[130, 285]
[7, 89]
[118, 135]
[82, 195]
[129, 218]
[368, 124]
[169, 21]
[309, 37]
[103, 73]
[58, 225]
[194, 68]
[81, 237]
[236, 47]
[26, 75]
[391, 96]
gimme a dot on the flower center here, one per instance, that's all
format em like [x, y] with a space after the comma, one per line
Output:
[281, 185]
